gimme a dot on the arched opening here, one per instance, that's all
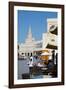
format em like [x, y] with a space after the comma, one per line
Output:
[28, 54]
[31, 54]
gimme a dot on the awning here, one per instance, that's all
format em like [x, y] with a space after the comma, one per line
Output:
[54, 31]
[46, 54]
[51, 46]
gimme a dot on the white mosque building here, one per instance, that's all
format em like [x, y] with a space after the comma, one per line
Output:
[30, 45]
[49, 40]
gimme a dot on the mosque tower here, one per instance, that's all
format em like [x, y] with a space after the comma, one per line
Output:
[29, 38]
[29, 44]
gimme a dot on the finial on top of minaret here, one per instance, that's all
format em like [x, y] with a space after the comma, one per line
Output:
[29, 29]
[29, 32]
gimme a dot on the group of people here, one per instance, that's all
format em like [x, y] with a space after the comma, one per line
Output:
[51, 65]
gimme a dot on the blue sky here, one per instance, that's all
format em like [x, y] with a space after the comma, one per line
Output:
[36, 19]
